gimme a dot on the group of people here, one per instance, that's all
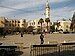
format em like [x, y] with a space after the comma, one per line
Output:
[41, 37]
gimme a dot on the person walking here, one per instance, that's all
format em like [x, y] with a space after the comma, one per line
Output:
[21, 34]
[41, 38]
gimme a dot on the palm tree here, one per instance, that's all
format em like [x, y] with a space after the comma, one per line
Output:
[24, 21]
[41, 21]
[47, 20]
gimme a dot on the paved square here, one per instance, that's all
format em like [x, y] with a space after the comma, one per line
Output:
[29, 39]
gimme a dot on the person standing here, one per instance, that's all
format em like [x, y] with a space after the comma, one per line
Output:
[41, 38]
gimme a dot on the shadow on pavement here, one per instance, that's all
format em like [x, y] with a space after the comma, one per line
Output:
[10, 53]
[62, 53]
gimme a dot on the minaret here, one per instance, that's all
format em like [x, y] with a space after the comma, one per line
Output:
[47, 10]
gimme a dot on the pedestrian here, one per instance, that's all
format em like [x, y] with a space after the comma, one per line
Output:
[33, 33]
[21, 34]
[41, 38]
[4, 34]
[44, 32]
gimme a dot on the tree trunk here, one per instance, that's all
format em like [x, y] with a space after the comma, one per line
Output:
[41, 27]
[47, 26]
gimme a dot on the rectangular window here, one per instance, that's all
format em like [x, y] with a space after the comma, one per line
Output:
[30, 24]
[38, 22]
[18, 24]
[18, 21]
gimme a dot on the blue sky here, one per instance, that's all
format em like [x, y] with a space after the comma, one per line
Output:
[34, 9]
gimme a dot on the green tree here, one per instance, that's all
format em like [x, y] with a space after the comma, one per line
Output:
[39, 30]
[47, 20]
[72, 27]
[41, 21]
[53, 28]
[30, 29]
[64, 19]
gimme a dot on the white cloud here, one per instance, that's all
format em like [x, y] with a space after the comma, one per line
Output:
[66, 12]
[18, 5]
[56, 1]
[4, 11]
[34, 15]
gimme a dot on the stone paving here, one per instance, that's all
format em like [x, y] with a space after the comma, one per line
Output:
[30, 39]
